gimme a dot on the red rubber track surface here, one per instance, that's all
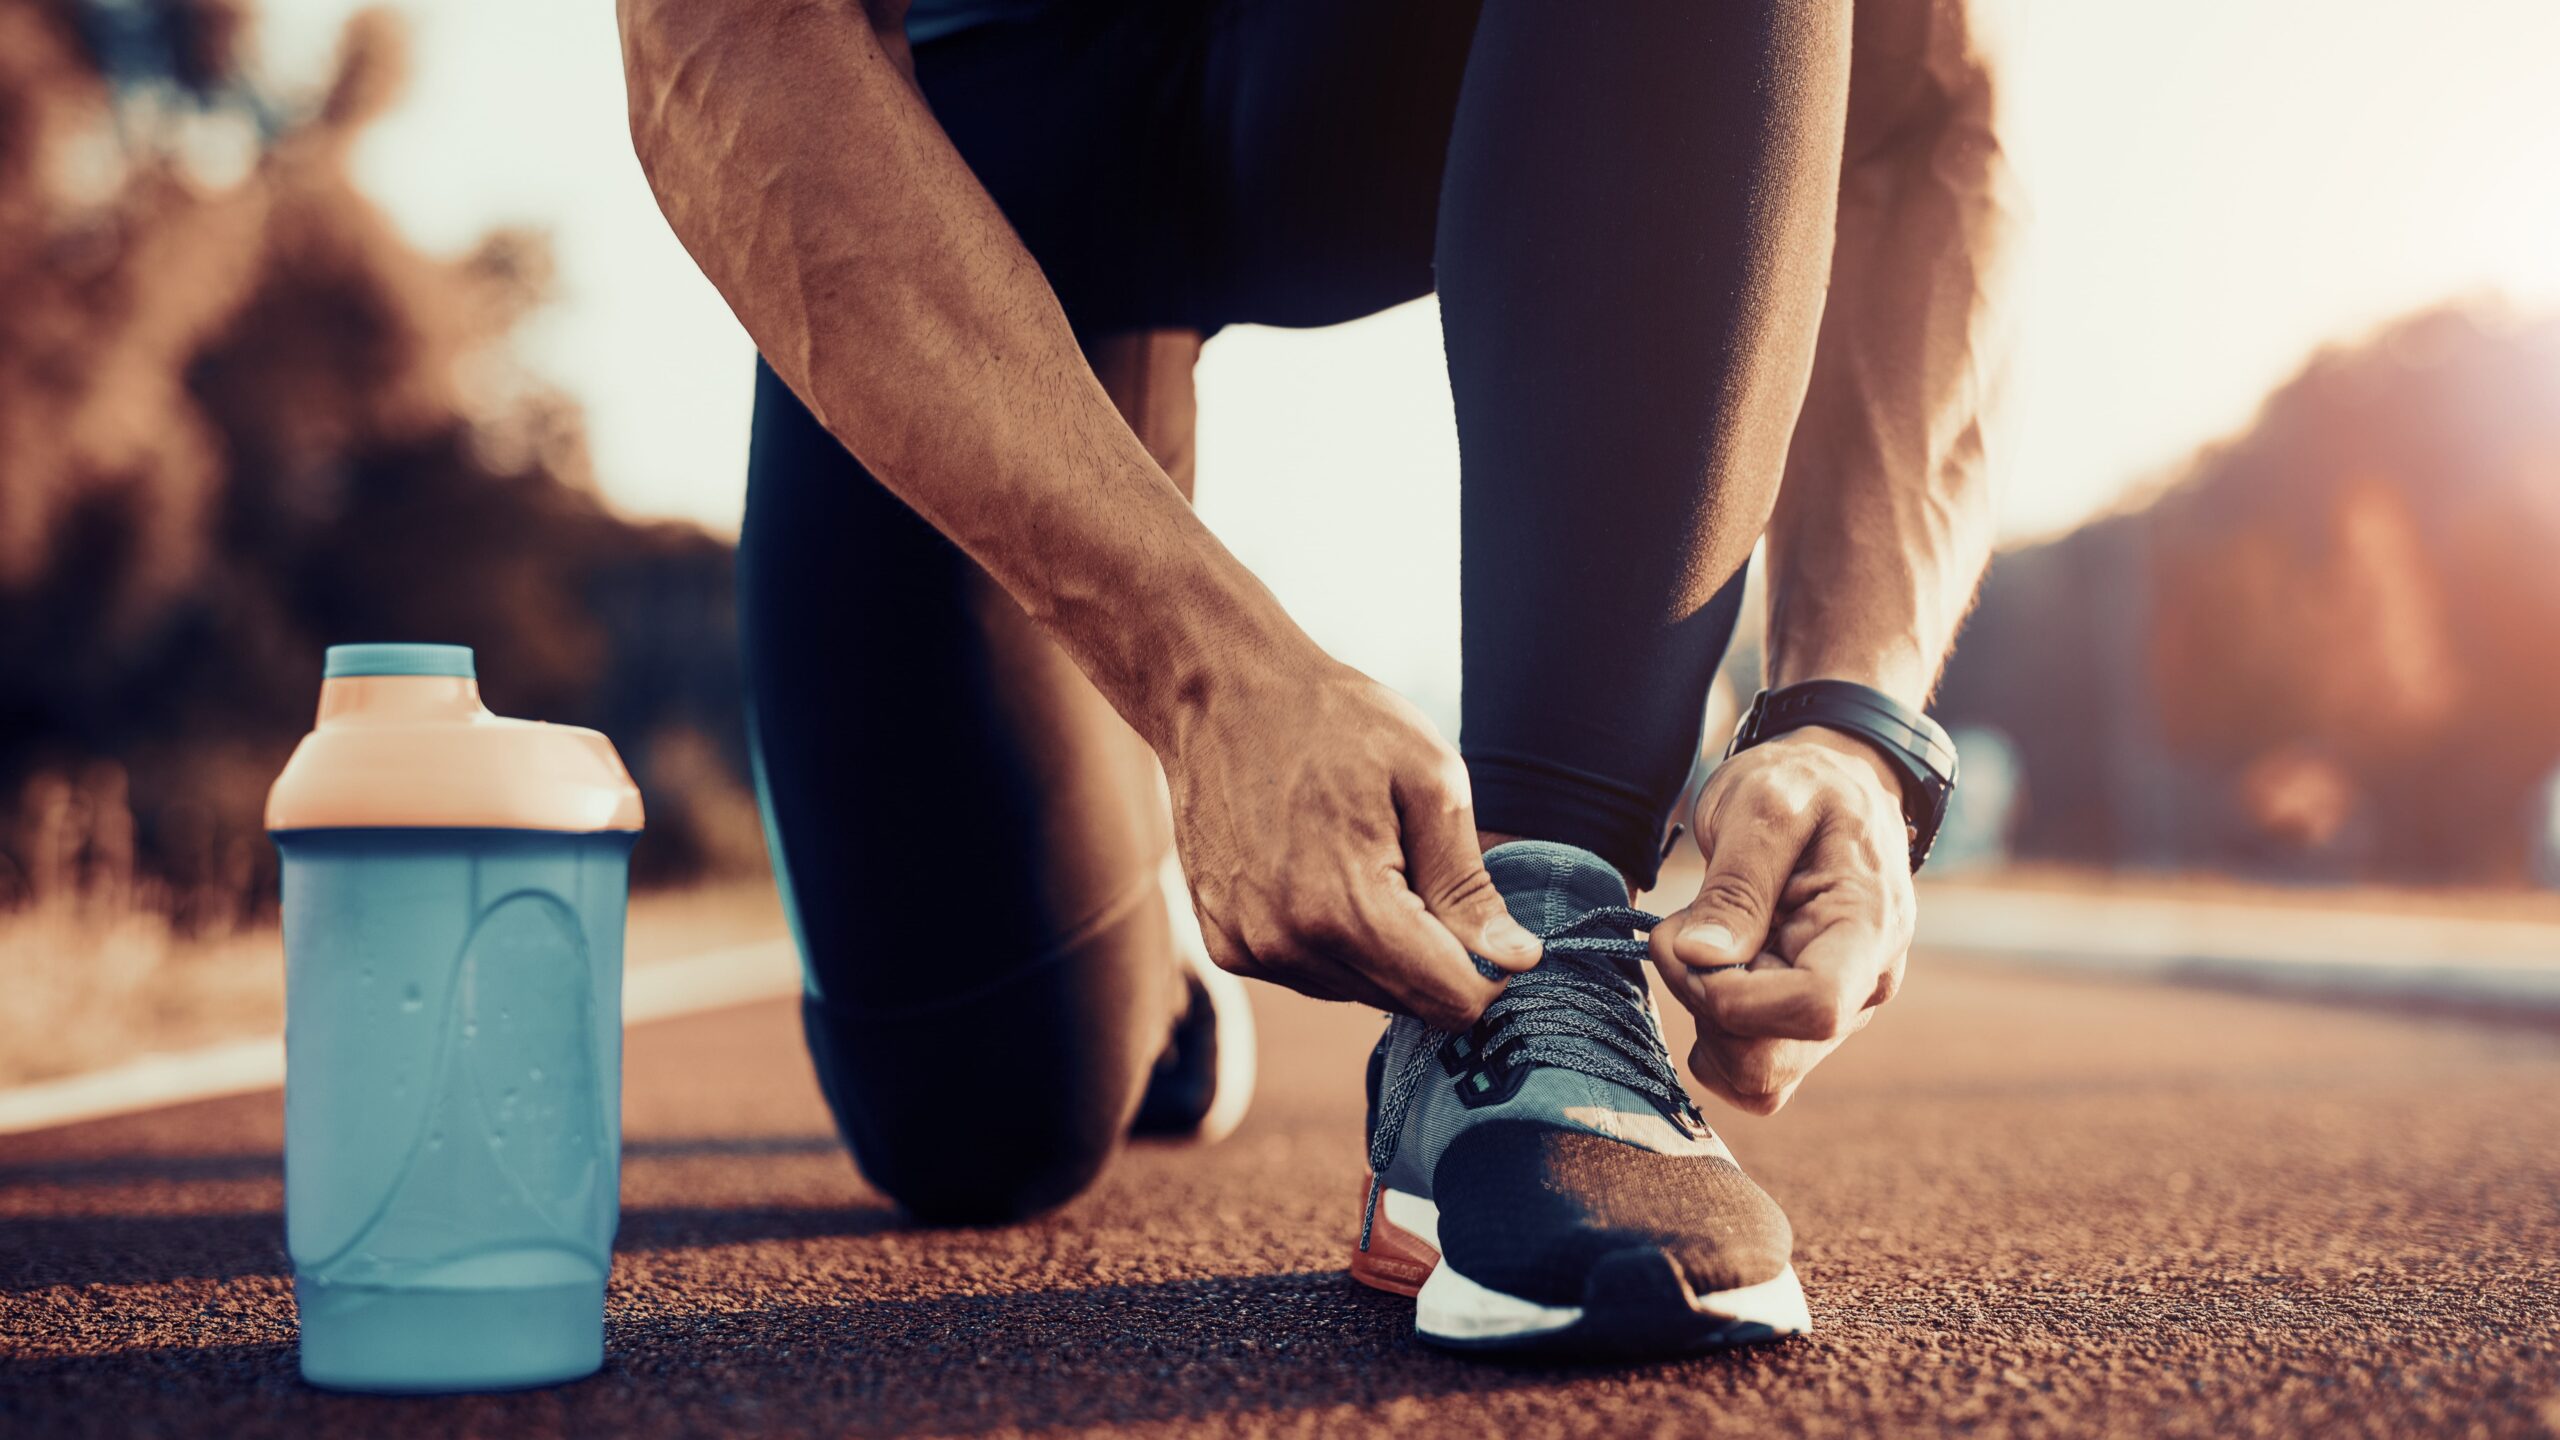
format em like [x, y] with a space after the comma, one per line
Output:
[2025, 1205]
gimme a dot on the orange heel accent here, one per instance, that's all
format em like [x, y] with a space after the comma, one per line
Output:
[1393, 1260]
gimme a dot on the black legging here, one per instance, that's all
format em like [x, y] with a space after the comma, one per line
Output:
[968, 838]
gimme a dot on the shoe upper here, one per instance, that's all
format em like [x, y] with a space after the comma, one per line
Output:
[1555, 1131]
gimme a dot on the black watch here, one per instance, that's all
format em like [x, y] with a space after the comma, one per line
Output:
[1912, 743]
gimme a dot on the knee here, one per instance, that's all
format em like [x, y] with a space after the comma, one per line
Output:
[948, 1176]
[956, 1134]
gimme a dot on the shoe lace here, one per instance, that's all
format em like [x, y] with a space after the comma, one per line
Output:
[1581, 1008]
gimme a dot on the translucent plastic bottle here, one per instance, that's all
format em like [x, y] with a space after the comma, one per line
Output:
[454, 889]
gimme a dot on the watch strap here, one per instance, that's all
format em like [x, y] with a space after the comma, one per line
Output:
[1913, 745]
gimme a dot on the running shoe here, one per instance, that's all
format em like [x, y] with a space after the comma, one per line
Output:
[1542, 1181]
[1203, 1083]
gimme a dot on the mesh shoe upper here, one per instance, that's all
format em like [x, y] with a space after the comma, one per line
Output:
[1556, 1130]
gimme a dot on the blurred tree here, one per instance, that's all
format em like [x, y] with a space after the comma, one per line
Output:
[240, 419]
[2329, 648]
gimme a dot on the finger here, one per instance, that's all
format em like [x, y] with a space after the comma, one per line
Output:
[1225, 950]
[1321, 980]
[1300, 965]
[1794, 1003]
[1753, 1080]
[1339, 979]
[1413, 957]
[1840, 971]
[1689, 986]
[1749, 857]
[1444, 866]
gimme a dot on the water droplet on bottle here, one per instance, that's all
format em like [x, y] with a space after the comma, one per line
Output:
[365, 975]
[497, 1139]
[411, 1001]
[534, 1074]
[435, 1139]
[470, 1029]
[504, 1017]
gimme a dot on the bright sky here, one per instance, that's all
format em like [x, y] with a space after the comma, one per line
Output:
[2219, 186]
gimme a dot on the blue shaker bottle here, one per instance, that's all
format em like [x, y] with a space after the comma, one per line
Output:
[454, 888]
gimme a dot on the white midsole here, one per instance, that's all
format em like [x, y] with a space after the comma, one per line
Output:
[1413, 1215]
[1453, 1307]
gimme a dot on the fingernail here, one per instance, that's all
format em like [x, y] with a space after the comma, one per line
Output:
[1710, 934]
[1508, 941]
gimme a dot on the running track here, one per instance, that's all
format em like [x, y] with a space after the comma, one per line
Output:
[2026, 1205]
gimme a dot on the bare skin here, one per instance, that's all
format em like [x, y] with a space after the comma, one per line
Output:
[793, 156]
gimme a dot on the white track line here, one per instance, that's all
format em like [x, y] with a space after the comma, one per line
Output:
[2439, 959]
[710, 981]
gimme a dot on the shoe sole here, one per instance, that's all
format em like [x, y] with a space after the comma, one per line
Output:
[1636, 1303]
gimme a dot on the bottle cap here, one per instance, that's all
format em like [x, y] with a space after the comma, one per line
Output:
[403, 742]
[345, 660]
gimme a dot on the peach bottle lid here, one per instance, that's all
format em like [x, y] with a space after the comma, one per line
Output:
[403, 742]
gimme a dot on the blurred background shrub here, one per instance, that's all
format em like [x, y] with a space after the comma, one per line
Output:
[2326, 649]
[241, 419]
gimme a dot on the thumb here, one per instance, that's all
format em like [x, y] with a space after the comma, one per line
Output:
[1729, 921]
[1445, 867]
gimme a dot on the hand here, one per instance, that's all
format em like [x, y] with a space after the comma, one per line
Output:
[1804, 921]
[1330, 841]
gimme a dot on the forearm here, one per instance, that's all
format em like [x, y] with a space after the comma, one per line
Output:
[1885, 520]
[797, 162]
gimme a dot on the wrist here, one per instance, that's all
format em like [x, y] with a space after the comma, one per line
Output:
[1216, 636]
[1897, 668]
[1914, 753]
[1860, 752]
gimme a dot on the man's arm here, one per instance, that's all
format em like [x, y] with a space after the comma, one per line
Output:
[1325, 827]
[1885, 521]
[797, 162]
[1880, 534]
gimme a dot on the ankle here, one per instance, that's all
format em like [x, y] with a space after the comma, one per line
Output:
[1486, 840]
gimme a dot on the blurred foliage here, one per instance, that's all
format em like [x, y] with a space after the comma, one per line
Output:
[240, 419]
[2328, 648]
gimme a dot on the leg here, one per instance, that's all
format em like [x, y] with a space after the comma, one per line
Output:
[1326, 124]
[969, 840]
[1633, 233]
[1627, 212]
[1616, 276]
